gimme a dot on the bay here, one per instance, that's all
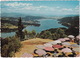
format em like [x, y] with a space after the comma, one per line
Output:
[44, 25]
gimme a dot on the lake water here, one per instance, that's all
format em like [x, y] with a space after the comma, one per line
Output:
[45, 24]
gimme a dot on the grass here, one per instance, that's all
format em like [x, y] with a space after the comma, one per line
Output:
[8, 25]
[28, 46]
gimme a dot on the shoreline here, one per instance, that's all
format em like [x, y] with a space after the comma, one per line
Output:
[5, 30]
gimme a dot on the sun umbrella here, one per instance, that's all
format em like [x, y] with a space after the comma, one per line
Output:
[65, 50]
[57, 46]
[62, 39]
[66, 43]
[78, 55]
[35, 55]
[48, 45]
[27, 55]
[57, 41]
[76, 49]
[79, 45]
[40, 46]
[41, 52]
[66, 38]
[78, 37]
[53, 43]
[49, 49]
[71, 36]
[74, 45]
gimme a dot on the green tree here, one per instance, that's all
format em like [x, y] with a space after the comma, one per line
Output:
[60, 33]
[25, 32]
[38, 34]
[20, 33]
[33, 33]
[4, 51]
[10, 46]
[46, 34]
[53, 37]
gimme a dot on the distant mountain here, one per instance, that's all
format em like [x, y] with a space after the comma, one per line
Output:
[12, 15]
[71, 15]
[33, 17]
[24, 16]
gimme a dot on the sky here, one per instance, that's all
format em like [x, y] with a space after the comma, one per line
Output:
[41, 7]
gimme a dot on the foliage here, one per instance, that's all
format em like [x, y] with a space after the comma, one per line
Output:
[9, 46]
[54, 33]
[72, 23]
[46, 34]
[29, 35]
[20, 33]
[33, 32]
[25, 32]
[60, 33]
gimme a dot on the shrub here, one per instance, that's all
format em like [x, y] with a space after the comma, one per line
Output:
[10, 46]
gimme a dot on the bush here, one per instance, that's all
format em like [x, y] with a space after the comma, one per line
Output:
[53, 34]
[10, 46]
[46, 34]
[29, 35]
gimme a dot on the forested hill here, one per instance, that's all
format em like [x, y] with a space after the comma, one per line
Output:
[70, 21]
[72, 24]
[28, 20]
[11, 22]
[33, 17]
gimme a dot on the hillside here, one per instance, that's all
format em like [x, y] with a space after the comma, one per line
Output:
[9, 24]
[28, 46]
[72, 23]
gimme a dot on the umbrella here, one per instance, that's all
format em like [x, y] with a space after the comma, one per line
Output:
[76, 49]
[78, 55]
[49, 49]
[57, 41]
[35, 55]
[40, 46]
[48, 45]
[53, 43]
[78, 37]
[66, 50]
[40, 52]
[74, 45]
[57, 46]
[71, 36]
[62, 39]
[66, 43]
[66, 38]
[27, 55]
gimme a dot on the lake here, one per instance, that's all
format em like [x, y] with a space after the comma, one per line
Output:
[45, 24]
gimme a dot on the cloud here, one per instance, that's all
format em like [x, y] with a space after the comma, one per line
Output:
[42, 6]
[21, 7]
[77, 7]
[66, 9]
[57, 7]
[17, 4]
